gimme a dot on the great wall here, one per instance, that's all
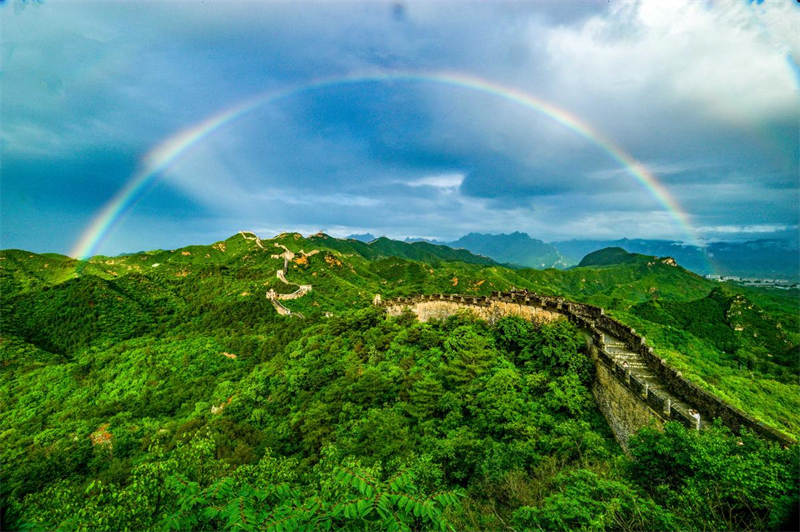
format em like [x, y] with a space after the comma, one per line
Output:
[287, 256]
[633, 387]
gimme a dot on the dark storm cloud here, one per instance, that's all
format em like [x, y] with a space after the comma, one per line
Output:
[507, 179]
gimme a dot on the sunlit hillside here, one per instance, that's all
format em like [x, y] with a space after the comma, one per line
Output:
[125, 371]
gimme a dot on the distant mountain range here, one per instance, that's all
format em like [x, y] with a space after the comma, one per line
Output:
[385, 247]
[368, 237]
[516, 249]
[766, 258]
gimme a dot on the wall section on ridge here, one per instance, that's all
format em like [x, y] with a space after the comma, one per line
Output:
[491, 311]
[627, 401]
[624, 411]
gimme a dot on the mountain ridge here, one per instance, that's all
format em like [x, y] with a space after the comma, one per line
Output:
[613, 256]
[760, 258]
[116, 298]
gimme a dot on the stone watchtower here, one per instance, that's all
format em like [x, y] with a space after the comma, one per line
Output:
[376, 300]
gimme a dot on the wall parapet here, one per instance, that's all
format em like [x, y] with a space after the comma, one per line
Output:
[594, 320]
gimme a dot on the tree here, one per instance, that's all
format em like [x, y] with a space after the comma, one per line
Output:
[586, 501]
[721, 480]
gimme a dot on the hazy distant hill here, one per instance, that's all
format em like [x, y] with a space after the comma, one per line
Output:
[758, 258]
[690, 257]
[363, 237]
[766, 258]
[515, 248]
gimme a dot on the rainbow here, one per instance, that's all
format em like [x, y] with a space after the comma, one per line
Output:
[169, 151]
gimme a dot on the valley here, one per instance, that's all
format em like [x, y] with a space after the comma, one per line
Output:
[176, 355]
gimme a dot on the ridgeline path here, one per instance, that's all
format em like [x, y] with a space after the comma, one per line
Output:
[287, 256]
[633, 386]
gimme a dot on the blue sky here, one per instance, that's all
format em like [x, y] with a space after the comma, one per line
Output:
[705, 95]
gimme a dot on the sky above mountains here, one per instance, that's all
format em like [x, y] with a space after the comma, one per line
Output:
[704, 96]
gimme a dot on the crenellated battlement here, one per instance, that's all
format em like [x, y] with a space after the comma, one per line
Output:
[633, 386]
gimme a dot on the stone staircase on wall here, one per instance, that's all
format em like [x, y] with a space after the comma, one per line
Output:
[637, 376]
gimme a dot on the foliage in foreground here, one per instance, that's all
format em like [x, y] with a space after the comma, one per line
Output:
[363, 422]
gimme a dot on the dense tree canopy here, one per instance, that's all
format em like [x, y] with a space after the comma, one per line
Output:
[165, 395]
[365, 422]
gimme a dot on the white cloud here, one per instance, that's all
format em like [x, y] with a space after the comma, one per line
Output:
[443, 181]
[754, 228]
[724, 60]
[689, 88]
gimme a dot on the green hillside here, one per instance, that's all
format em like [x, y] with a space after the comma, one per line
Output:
[161, 390]
[734, 324]
[619, 285]
[385, 247]
[610, 257]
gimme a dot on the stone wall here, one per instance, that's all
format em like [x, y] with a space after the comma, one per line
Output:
[627, 402]
[486, 310]
[624, 410]
[300, 292]
[711, 405]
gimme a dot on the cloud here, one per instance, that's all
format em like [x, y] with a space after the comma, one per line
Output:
[444, 181]
[700, 93]
[757, 228]
[722, 59]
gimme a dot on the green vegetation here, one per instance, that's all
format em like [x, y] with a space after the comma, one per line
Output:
[161, 391]
[729, 344]
[612, 256]
[381, 247]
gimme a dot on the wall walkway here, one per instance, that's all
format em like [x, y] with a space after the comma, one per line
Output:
[633, 387]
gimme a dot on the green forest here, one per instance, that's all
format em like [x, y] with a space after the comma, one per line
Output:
[161, 390]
